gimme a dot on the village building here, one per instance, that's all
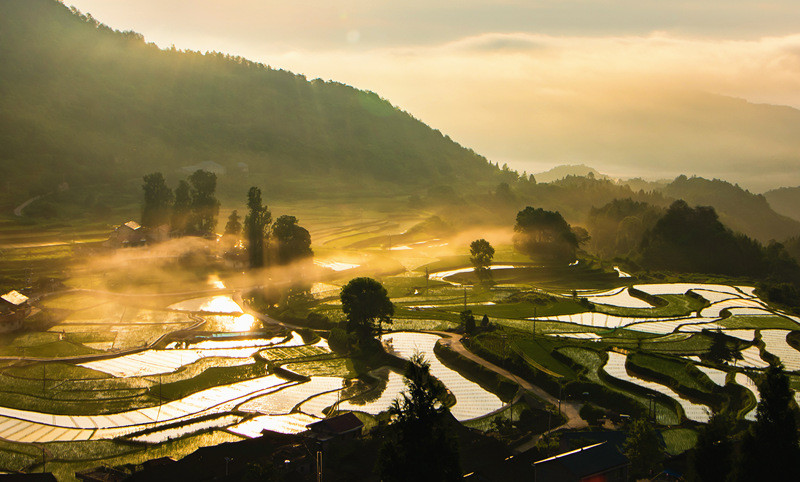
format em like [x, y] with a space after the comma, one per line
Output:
[127, 235]
[598, 462]
[14, 307]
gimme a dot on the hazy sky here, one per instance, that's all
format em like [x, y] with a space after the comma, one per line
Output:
[534, 83]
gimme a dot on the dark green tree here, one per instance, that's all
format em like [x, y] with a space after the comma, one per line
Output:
[468, 321]
[291, 241]
[234, 224]
[485, 321]
[205, 206]
[419, 445]
[643, 448]
[769, 451]
[366, 305]
[157, 201]
[255, 227]
[481, 254]
[544, 235]
[719, 351]
[711, 459]
[182, 209]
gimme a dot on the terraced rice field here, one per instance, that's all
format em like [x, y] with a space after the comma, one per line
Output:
[616, 368]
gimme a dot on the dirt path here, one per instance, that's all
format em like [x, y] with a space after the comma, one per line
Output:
[18, 210]
[570, 410]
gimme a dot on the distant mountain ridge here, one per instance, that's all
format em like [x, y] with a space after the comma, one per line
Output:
[738, 208]
[785, 201]
[82, 103]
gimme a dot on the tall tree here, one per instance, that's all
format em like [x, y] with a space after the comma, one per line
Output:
[419, 445]
[770, 450]
[544, 235]
[712, 459]
[481, 254]
[643, 448]
[468, 321]
[182, 209]
[255, 225]
[292, 242]
[205, 206]
[157, 201]
[234, 224]
[365, 303]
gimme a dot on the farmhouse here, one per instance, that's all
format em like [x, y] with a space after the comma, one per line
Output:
[14, 307]
[601, 461]
[127, 235]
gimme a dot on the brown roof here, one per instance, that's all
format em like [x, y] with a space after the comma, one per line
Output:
[15, 297]
[339, 424]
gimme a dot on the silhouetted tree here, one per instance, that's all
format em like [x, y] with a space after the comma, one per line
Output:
[182, 209]
[711, 459]
[544, 235]
[365, 303]
[255, 225]
[234, 224]
[205, 207]
[769, 451]
[481, 254]
[157, 201]
[419, 445]
[485, 321]
[643, 448]
[468, 321]
[291, 241]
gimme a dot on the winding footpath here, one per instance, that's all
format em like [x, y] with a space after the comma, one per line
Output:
[570, 410]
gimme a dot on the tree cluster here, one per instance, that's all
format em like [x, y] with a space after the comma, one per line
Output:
[544, 235]
[191, 210]
[280, 243]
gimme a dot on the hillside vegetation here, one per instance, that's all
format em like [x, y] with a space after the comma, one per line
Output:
[82, 103]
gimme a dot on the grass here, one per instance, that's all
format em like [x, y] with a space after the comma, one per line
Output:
[679, 440]
[209, 378]
[677, 305]
[339, 367]
[679, 370]
[537, 353]
[758, 322]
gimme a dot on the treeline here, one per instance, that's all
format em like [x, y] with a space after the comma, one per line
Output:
[192, 210]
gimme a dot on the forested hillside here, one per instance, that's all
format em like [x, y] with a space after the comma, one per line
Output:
[785, 200]
[88, 105]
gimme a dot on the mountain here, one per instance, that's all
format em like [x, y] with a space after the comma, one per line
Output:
[560, 172]
[83, 104]
[786, 201]
[738, 208]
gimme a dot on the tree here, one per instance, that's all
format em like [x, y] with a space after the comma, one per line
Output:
[157, 201]
[468, 321]
[481, 254]
[255, 227]
[365, 302]
[292, 242]
[182, 209]
[234, 225]
[544, 235]
[770, 450]
[643, 448]
[419, 445]
[485, 321]
[719, 352]
[711, 460]
[205, 206]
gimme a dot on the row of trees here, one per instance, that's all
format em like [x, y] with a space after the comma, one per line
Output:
[192, 209]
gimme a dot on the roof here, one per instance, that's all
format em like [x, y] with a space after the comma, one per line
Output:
[133, 225]
[339, 424]
[580, 463]
[15, 297]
